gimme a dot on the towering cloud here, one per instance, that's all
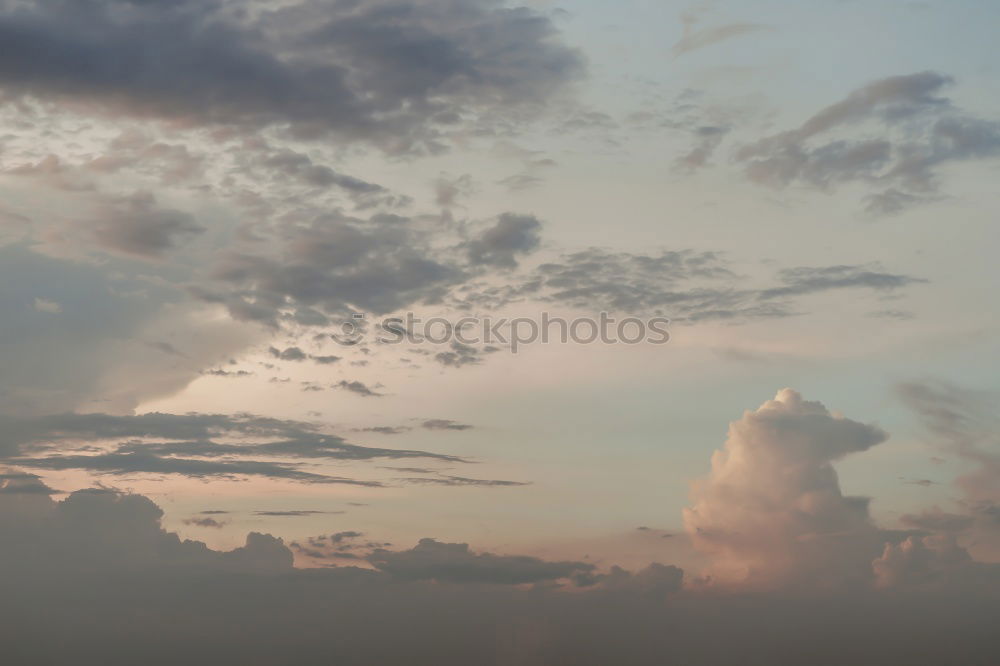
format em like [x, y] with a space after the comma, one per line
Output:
[771, 512]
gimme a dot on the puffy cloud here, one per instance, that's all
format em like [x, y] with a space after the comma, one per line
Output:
[771, 512]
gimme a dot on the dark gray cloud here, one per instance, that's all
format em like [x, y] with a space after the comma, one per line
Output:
[205, 522]
[359, 388]
[413, 470]
[810, 280]
[893, 135]
[445, 480]
[520, 181]
[344, 545]
[445, 424]
[707, 139]
[220, 372]
[299, 166]
[682, 285]
[384, 430]
[449, 190]
[341, 536]
[194, 445]
[288, 354]
[454, 562]
[334, 264]
[326, 360]
[143, 462]
[500, 245]
[21, 483]
[394, 73]
[136, 226]
[460, 354]
[292, 514]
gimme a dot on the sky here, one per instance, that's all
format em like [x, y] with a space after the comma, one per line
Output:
[270, 274]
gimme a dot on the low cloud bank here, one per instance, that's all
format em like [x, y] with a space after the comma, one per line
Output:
[799, 573]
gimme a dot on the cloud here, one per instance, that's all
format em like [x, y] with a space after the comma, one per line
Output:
[398, 75]
[449, 190]
[291, 514]
[205, 522]
[336, 265]
[962, 423]
[707, 139]
[460, 354]
[441, 603]
[965, 424]
[110, 533]
[193, 445]
[799, 281]
[134, 462]
[683, 285]
[289, 354]
[454, 562]
[136, 226]
[500, 244]
[219, 372]
[936, 520]
[694, 38]
[47, 306]
[326, 360]
[98, 350]
[445, 480]
[917, 132]
[444, 424]
[771, 511]
[384, 430]
[359, 388]
[932, 561]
